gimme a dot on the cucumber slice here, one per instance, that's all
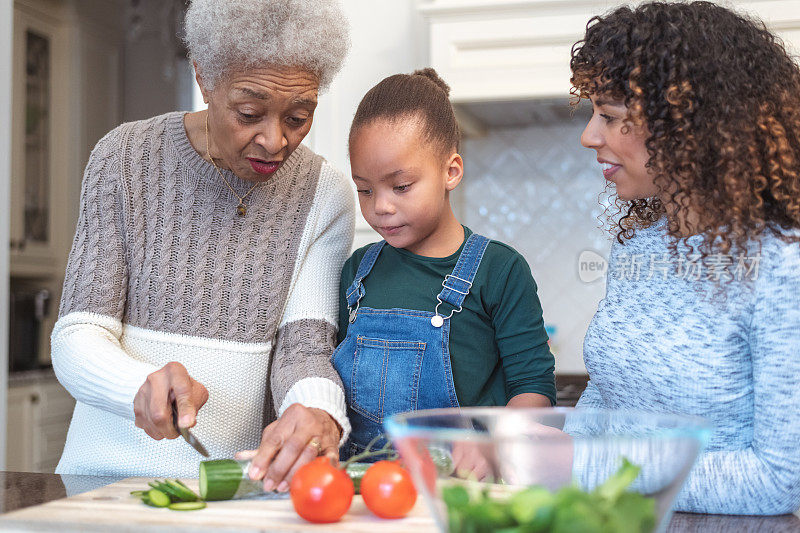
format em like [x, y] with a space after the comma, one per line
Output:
[187, 506]
[158, 498]
[138, 493]
[166, 489]
[220, 479]
[181, 491]
[182, 484]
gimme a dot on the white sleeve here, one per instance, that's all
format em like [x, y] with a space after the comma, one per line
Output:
[86, 353]
[90, 363]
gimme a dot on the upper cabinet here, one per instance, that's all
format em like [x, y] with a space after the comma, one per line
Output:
[66, 88]
[38, 140]
[520, 49]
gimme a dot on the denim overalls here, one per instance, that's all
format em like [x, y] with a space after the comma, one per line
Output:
[395, 360]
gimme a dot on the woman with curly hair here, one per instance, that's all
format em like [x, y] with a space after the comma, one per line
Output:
[205, 266]
[696, 123]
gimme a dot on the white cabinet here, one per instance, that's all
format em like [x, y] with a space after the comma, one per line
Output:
[39, 139]
[67, 88]
[20, 448]
[39, 413]
[520, 49]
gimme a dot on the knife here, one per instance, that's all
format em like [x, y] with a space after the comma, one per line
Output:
[186, 434]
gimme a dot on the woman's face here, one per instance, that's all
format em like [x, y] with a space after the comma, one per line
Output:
[620, 149]
[257, 117]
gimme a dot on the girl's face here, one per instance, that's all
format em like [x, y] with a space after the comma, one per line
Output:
[402, 183]
[620, 149]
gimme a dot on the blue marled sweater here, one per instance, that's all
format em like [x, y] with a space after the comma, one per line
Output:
[661, 342]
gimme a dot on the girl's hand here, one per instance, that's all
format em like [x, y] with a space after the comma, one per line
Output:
[472, 461]
[536, 454]
[152, 405]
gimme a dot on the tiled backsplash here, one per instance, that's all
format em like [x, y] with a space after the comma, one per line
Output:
[538, 190]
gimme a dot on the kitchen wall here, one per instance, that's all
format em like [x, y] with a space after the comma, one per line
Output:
[158, 77]
[388, 36]
[537, 189]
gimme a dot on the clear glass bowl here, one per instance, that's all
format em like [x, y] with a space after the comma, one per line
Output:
[532, 470]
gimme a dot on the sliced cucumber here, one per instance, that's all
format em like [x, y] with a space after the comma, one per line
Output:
[181, 491]
[158, 498]
[187, 506]
[220, 479]
[159, 485]
[177, 492]
[182, 484]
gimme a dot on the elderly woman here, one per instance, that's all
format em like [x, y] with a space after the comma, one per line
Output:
[205, 265]
[696, 123]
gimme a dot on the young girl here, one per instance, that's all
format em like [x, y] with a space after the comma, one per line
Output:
[434, 315]
[697, 125]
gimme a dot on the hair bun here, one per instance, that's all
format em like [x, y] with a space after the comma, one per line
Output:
[432, 75]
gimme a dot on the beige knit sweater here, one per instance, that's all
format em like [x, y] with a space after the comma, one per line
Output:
[162, 269]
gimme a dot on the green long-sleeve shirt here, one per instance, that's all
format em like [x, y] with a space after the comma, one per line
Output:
[498, 345]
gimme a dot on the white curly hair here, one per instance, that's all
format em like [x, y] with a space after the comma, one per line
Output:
[223, 35]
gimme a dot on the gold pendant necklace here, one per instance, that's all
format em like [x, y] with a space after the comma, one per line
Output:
[241, 209]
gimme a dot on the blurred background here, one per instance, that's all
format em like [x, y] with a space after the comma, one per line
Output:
[71, 70]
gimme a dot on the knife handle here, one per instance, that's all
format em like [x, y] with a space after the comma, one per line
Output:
[175, 416]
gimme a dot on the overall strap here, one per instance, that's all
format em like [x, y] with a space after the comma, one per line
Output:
[356, 289]
[458, 283]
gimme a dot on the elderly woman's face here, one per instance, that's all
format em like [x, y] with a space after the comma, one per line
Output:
[258, 117]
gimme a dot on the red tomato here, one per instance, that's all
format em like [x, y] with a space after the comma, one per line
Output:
[321, 492]
[387, 490]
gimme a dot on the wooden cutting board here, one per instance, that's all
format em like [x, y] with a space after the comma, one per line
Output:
[112, 508]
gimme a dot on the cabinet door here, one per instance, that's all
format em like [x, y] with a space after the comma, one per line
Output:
[515, 50]
[56, 404]
[37, 151]
[56, 409]
[53, 436]
[22, 445]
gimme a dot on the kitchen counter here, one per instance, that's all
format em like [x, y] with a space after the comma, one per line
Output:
[27, 377]
[24, 489]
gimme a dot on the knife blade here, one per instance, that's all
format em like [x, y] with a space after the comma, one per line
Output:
[186, 434]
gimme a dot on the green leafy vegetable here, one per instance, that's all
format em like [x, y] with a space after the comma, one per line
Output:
[609, 508]
[616, 484]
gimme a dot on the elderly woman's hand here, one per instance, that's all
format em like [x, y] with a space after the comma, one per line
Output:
[153, 403]
[297, 437]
